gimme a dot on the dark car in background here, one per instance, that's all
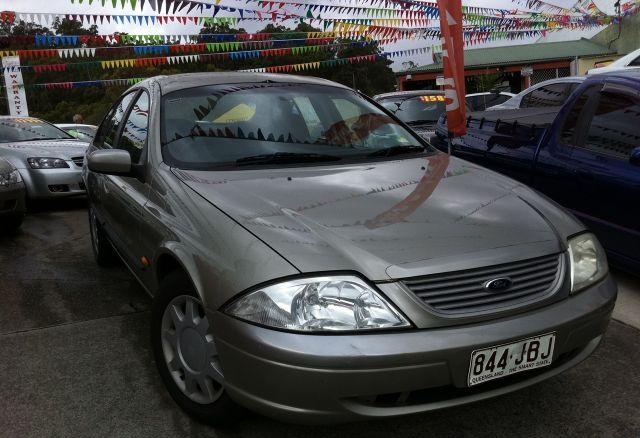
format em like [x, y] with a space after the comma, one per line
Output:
[312, 259]
[584, 155]
[12, 196]
[419, 109]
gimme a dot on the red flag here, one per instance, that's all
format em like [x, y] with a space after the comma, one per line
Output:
[453, 60]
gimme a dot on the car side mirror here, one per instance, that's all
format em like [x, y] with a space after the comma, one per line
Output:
[110, 162]
[635, 156]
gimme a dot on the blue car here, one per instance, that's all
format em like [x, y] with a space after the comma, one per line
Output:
[585, 155]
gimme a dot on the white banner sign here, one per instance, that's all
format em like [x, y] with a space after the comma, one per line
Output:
[16, 97]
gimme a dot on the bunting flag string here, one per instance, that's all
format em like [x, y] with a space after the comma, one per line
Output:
[207, 57]
[471, 38]
[532, 20]
[83, 84]
[165, 49]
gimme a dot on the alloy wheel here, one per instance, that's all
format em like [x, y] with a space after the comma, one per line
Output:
[189, 350]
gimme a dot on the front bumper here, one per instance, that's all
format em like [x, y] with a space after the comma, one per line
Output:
[53, 183]
[335, 378]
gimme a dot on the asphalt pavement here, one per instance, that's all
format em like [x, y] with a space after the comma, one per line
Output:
[75, 360]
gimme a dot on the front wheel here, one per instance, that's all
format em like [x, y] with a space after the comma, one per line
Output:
[186, 354]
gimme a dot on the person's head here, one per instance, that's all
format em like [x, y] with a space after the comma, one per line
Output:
[77, 118]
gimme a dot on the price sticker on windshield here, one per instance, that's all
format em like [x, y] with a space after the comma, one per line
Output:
[432, 98]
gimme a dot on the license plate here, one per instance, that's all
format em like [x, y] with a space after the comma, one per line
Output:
[504, 360]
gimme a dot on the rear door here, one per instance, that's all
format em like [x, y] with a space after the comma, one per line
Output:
[607, 183]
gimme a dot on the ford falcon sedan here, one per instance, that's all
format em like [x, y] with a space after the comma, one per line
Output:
[313, 259]
[48, 159]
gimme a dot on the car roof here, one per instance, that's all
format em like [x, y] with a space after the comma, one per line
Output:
[10, 118]
[74, 125]
[627, 73]
[486, 93]
[182, 81]
[411, 93]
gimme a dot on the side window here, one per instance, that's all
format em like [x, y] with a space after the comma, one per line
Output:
[613, 130]
[310, 116]
[568, 133]
[635, 62]
[349, 111]
[134, 134]
[548, 95]
[109, 128]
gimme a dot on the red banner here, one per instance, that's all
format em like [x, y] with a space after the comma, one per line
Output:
[453, 60]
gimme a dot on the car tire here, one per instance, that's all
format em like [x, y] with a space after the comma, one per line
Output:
[103, 252]
[184, 371]
[12, 223]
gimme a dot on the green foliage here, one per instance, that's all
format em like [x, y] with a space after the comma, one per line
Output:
[59, 105]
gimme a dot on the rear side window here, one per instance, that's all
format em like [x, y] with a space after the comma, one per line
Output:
[635, 62]
[107, 132]
[614, 128]
[548, 95]
[569, 134]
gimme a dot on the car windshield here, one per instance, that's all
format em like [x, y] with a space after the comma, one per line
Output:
[81, 133]
[26, 129]
[416, 109]
[272, 123]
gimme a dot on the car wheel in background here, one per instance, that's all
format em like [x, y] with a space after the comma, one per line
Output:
[12, 222]
[103, 252]
[186, 354]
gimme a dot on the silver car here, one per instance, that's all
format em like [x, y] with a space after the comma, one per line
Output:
[78, 130]
[313, 260]
[12, 197]
[49, 160]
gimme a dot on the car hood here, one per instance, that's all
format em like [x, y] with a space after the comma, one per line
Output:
[386, 220]
[18, 152]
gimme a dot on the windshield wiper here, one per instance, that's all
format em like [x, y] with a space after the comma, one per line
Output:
[285, 157]
[397, 150]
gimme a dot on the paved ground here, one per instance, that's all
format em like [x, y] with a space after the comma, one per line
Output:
[75, 360]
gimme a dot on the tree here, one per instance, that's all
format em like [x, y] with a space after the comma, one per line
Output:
[73, 27]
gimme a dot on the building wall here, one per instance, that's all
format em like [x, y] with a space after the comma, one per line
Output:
[629, 39]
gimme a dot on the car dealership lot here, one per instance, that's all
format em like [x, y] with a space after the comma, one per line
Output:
[75, 359]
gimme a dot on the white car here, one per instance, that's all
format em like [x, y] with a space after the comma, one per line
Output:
[487, 99]
[553, 92]
[632, 60]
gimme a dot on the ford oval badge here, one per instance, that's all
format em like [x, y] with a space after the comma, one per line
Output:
[498, 284]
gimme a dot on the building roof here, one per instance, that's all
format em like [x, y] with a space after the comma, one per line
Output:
[522, 54]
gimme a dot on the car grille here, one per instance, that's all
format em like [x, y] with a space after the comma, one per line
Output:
[78, 161]
[462, 293]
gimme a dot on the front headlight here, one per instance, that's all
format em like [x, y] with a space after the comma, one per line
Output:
[318, 304]
[588, 261]
[46, 163]
[10, 179]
